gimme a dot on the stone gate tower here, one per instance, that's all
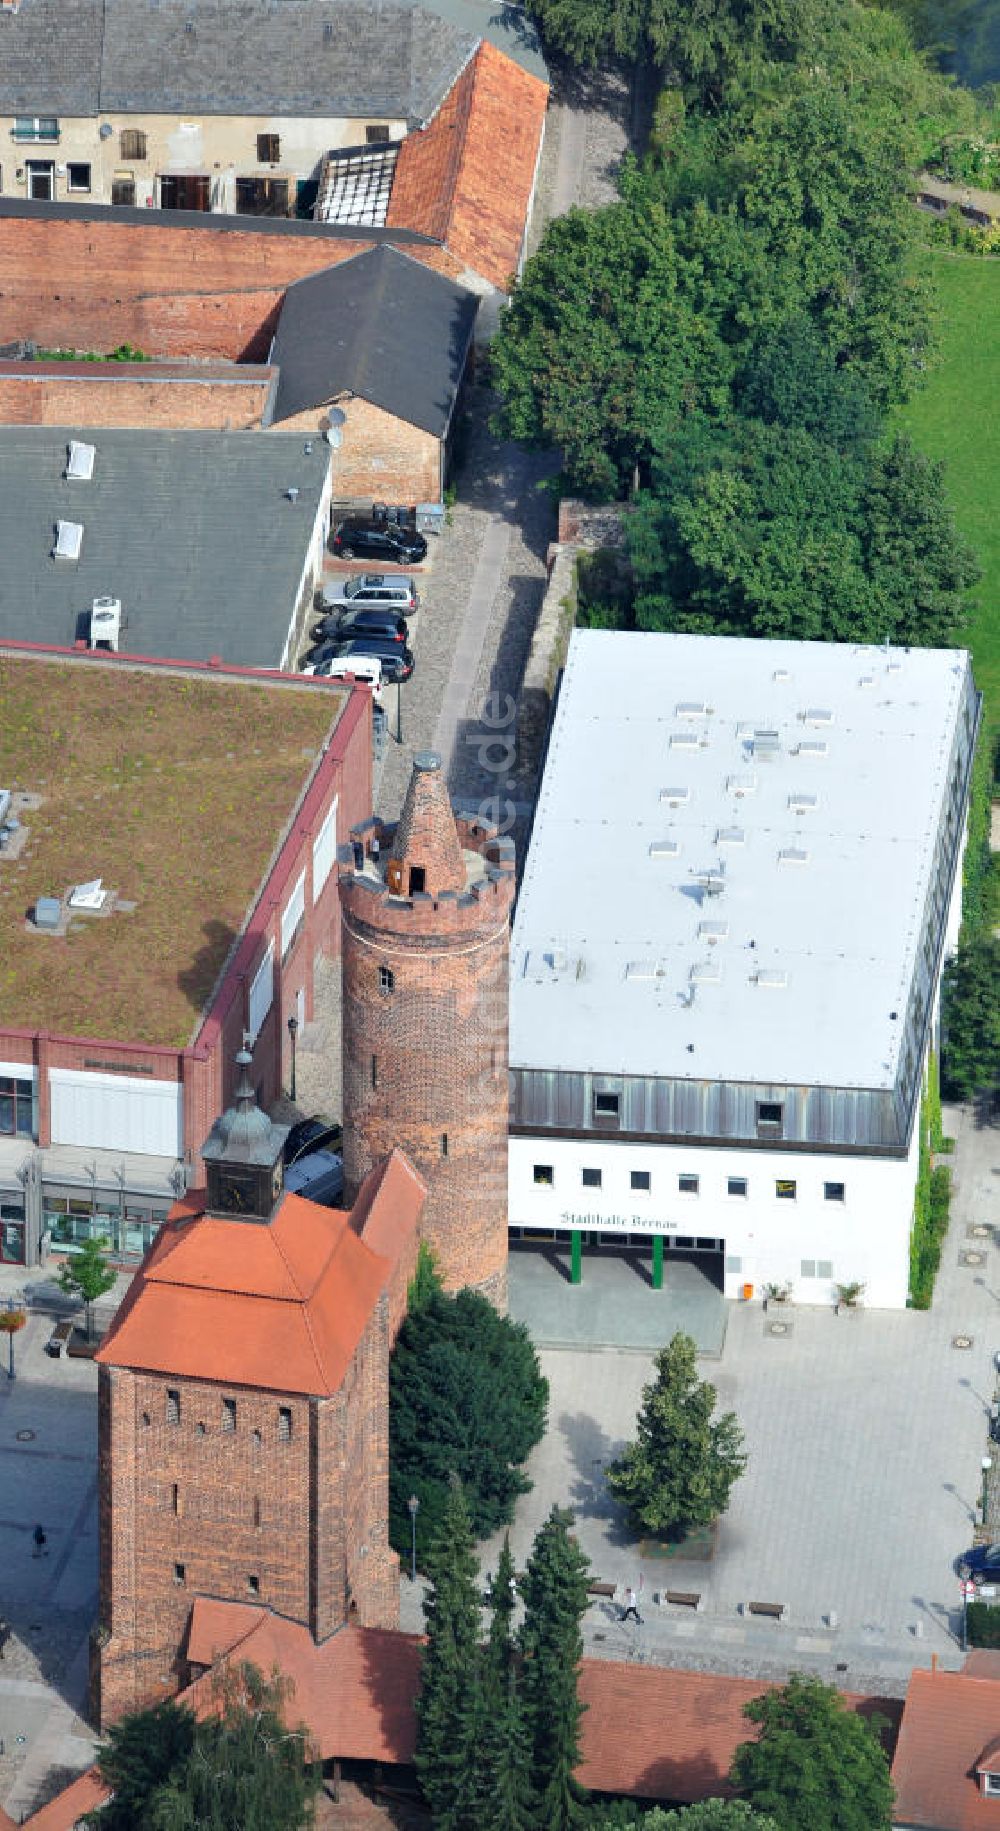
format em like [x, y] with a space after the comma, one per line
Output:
[426, 907]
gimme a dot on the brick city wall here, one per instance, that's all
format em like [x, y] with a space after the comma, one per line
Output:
[93, 282]
[226, 1481]
[380, 458]
[124, 394]
[425, 1064]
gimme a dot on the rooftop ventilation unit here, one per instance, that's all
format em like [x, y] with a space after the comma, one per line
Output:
[645, 969]
[866, 680]
[812, 747]
[106, 624]
[743, 784]
[713, 932]
[802, 804]
[692, 708]
[780, 674]
[69, 540]
[664, 848]
[684, 740]
[730, 836]
[676, 796]
[772, 977]
[80, 461]
[818, 715]
[706, 972]
[48, 912]
[551, 963]
[766, 744]
[91, 895]
[711, 883]
[793, 855]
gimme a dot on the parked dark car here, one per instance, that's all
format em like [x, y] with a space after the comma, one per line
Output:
[345, 623]
[397, 661]
[313, 1134]
[385, 590]
[982, 1564]
[357, 538]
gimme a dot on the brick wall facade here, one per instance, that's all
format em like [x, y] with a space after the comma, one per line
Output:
[380, 458]
[91, 282]
[425, 1062]
[304, 1516]
[127, 394]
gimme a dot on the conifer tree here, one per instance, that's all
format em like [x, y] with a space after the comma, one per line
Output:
[449, 1705]
[555, 1598]
[502, 1784]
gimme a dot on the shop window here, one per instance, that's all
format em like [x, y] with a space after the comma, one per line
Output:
[132, 143]
[16, 1118]
[785, 1190]
[268, 149]
[641, 1181]
[591, 1179]
[736, 1185]
[688, 1185]
[543, 1176]
[834, 1192]
[78, 176]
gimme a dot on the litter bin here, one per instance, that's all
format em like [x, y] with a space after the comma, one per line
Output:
[747, 1292]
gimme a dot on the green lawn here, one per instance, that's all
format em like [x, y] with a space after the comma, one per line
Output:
[955, 416]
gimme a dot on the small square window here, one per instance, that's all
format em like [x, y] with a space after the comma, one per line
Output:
[253, 1585]
[770, 1112]
[641, 1181]
[736, 1185]
[180, 1575]
[688, 1185]
[229, 1414]
[991, 1784]
[132, 142]
[591, 1179]
[268, 149]
[733, 1262]
[543, 1175]
[78, 177]
[284, 1423]
[808, 1268]
[173, 1405]
[376, 133]
[386, 979]
[824, 1268]
[785, 1190]
[834, 1192]
[607, 1106]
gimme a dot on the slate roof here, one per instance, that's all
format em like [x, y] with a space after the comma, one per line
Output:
[467, 178]
[392, 59]
[381, 326]
[192, 531]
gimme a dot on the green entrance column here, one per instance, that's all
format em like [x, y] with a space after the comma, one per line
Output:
[576, 1257]
[657, 1261]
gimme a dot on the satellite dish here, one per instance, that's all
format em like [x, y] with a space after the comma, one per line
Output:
[337, 416]
[105, 130]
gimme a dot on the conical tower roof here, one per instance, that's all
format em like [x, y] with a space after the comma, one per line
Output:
[426, 838]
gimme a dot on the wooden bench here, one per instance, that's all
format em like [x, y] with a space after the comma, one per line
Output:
[774, 1609]
[602, 1589]
[59, 1338]
[683, 1598]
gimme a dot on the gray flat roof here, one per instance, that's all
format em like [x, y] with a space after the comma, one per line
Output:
[192, 531]
[380, 325]
[325, 58]
[806, 780]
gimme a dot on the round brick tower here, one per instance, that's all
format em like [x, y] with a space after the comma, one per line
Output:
[426, 908]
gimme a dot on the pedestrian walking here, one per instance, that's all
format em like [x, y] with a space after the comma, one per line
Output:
[41, 1547]
[631, 1606]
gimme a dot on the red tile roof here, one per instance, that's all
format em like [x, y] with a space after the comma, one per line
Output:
[280, 1306]
[68, 1807]
[949, 1723]
[356, 1691]
[467, 177]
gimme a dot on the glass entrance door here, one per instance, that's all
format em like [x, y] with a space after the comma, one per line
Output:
[12, 1232]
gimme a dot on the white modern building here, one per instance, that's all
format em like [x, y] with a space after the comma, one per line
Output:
[743, 880]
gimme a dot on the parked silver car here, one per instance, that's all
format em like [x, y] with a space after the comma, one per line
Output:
[370, 591]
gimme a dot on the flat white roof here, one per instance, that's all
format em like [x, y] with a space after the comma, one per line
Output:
[730, 858]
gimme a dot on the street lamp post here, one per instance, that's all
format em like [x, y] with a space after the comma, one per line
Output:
[293, 1031]
[987, 1464]
[414, 1506]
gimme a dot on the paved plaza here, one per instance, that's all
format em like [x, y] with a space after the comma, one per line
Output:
[614, 1305]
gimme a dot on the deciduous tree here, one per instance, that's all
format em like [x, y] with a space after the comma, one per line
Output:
[87, 1276]
[681, 1468]
[970, 1058]
[816, 1765]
